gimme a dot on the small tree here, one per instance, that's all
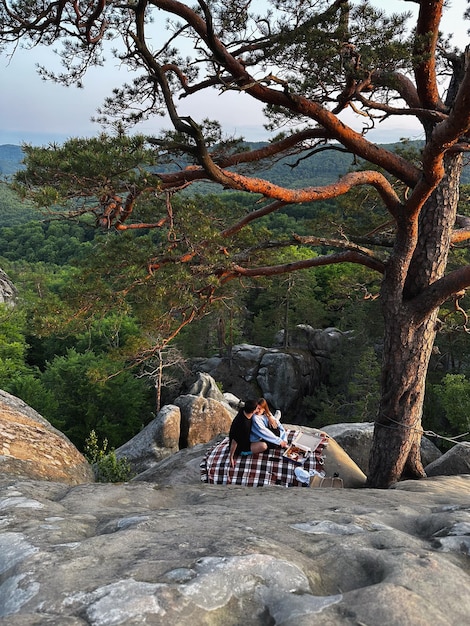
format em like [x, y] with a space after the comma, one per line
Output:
[310, 62]
[161, 368]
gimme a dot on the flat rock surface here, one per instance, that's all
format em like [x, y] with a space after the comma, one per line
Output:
[152, 553]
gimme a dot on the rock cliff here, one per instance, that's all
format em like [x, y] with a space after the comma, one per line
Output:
[282, 375]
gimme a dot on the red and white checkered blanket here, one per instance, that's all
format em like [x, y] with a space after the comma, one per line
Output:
[257, 470]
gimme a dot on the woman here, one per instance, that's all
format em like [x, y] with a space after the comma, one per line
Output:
[266, 428]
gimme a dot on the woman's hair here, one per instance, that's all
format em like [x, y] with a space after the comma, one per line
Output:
[262, 402]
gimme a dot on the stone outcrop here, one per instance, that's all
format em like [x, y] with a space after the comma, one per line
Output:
[321, 342]
[201, 419]
[151, 553]
[185, 466]
[166, 548]
[206, 387]
[31, 447]
[283, 375]
[8, 291]
[181, 468]
[192, 419]
[198, 417]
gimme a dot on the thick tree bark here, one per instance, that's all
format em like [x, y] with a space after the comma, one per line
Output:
[397, 433]
[409, 339]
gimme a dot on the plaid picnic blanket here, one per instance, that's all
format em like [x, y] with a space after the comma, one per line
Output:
[257, 470]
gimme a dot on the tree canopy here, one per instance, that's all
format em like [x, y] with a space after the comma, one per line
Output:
[326, 72]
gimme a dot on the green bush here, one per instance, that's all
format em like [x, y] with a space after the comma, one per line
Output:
[106, 466]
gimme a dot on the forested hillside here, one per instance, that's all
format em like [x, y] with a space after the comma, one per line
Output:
[67, 348]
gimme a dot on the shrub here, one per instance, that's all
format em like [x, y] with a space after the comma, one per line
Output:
[106, 466]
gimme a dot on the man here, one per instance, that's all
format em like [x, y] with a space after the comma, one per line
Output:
[240, 433]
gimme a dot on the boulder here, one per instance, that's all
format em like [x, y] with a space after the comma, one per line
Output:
[31, 447]
[338, 463]
[190, 420]
[183, 467]
[455, 461]
[319, 342]
[201, 419]
[236, 373]
[356, 439]
[283, 378]
[167, 548]
[155, 442]
[233, 402]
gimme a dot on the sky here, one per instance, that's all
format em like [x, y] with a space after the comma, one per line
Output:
[41, 112]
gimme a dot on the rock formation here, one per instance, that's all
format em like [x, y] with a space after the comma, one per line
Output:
[201, 419]
[31, 447]
[283, 375]
[454, 461]
[206, 412]
[356, 440]
[8, 291]
[155, 442]
[194, 418]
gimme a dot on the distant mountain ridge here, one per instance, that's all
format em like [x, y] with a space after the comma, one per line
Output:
[11, 157]
[321, 168]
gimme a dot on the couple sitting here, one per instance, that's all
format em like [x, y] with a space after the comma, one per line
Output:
[255, 429]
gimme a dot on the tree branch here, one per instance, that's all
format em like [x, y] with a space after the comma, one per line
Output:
[313, 194]
[350, 256]
[287, 145]
[462, 233]
[254, 215]
[443, 139]
[427, 34]
[335, 243]
[420, 113]
[439, 292]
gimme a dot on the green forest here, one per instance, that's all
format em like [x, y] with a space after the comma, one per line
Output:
[73, 347]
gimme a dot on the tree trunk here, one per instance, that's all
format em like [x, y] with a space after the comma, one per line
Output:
[397, 433]
[409, 340]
